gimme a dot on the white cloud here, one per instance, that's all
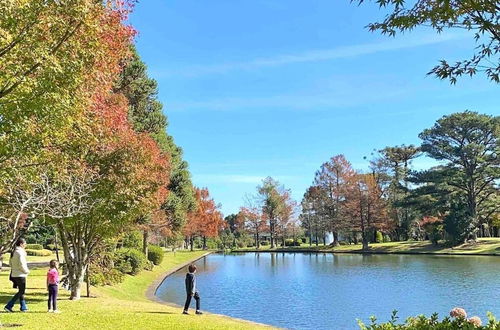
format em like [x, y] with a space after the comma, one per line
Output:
[319, 54]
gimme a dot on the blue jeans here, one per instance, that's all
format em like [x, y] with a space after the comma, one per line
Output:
[188, 301]
[21, 289]
[53, 288]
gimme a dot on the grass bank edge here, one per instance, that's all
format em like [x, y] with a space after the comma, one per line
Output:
[483, 247]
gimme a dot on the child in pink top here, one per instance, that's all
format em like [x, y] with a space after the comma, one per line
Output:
[53, 286]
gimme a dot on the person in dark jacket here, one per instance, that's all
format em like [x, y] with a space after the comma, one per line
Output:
[191, 290]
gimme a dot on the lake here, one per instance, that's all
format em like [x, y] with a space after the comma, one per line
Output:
[326, 291]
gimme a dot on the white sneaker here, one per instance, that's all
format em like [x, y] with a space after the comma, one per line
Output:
[56, 311]
[50, 311]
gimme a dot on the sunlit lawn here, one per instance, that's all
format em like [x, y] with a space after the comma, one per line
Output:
[123, 306]
[482, 246]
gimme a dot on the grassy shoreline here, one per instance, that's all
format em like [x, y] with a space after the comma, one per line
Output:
[483, 246]
[122, 306]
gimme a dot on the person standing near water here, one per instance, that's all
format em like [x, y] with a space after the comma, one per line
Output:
[19, 272]
[191, 290]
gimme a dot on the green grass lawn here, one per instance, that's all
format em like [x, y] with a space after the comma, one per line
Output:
[482, 246]
[123, 306]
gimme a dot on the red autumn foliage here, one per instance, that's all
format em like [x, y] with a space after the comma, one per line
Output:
[254, 221]
[426, 221]
[365, 206]
[206, 220]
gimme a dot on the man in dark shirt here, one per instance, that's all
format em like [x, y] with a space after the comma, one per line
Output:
[191, 290]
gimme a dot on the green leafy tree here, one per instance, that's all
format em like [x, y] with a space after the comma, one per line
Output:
[397, 161]
[274, 202]
[468, 144]
[480, 17]
[312, 216]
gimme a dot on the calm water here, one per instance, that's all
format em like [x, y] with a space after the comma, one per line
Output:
[325, 291]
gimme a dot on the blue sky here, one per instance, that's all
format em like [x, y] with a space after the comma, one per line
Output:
[276, 87]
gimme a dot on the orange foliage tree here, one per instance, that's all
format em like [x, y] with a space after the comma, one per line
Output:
[331, 178]
[205, 221]
[254, 221]
[365, 206]
[130, 171]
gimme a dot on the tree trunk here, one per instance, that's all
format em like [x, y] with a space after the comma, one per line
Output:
[76, 276]
[87, 281]
[336, 239]
[191, 243]
[76, 261]
[204, 242]
[364, 237]
[272, 240]
[257, 241]
[317, 240]
[145, 237]
[1, 262]
[56, 246]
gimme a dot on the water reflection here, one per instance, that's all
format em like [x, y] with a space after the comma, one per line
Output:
[325, 291]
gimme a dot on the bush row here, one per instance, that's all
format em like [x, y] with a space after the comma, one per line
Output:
[39, 253]
[34, 247]
[111, 268]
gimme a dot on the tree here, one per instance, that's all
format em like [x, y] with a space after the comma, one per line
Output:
[365, 206]
[331, 178]
[397, 160]
[206, 220]
[131, 171]
[146, 116]
[286, 216]
[235, 225]
[480, 17]
[46, 48]
[312, 215]
[274, 203]
[254, 222]
[468, 144]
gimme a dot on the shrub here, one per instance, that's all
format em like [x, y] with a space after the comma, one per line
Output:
[387, 239]
[304, 240]
[39, 253]
[132, 240]
[291, 242]
[149, 265]
[241, 244]
[456, 321]
[155, 254]
[264, 243]
[130, 261]
[379, 237]
[34, 247]
[110, 277]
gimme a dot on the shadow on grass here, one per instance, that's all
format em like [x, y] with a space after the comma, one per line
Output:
[31, 297]
[171, 313]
